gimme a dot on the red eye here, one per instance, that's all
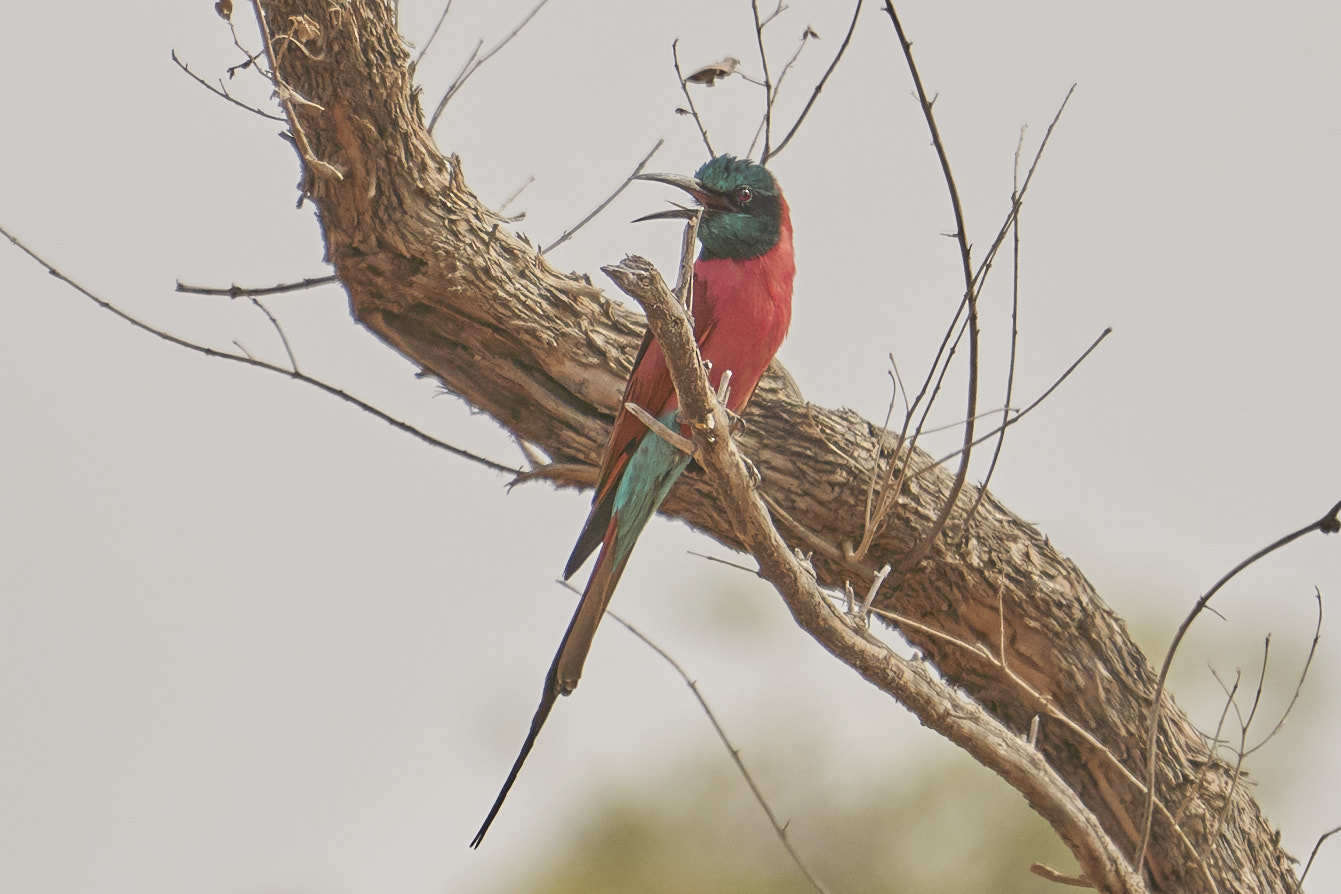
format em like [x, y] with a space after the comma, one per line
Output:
[743, 195]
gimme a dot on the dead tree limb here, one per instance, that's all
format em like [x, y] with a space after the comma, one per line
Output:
[439, 278]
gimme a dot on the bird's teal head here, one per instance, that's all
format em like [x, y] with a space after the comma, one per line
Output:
[742, 206]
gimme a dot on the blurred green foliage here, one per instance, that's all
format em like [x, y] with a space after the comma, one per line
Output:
[946, 826]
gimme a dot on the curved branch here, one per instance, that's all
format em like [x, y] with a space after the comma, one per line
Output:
[437, 276]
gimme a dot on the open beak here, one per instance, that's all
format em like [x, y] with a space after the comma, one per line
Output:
[679, 212]
[705, 197]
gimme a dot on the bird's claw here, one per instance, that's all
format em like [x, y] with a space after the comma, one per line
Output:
[753, 472]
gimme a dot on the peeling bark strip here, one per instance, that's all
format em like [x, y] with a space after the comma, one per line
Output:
[440, 279]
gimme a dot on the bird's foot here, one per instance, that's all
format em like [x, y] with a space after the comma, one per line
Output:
[753, 471]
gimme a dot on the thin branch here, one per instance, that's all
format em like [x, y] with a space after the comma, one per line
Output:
[780, 829]
[1303, 675]
[984, 267]
[777, 11]
[1242, 751]
[949, 426]
[1047, 872]
[818, 87]
[768, 83]
[1321, 838]
[1024, 412]
[979, 276]
[249, 58]
[728, 564]
[476, 64]
[638, 169]
[223, 93]
[658, 428]
[918, 552]
[1231, 703]
[684, 88]
[1014, 334]
[237, 291]
[248, 360]
[516, 192]
[446, 8]
[777, 87]
[460, 74]
[890, 489]
[1328, 524]
[284, 339]
[684, 282]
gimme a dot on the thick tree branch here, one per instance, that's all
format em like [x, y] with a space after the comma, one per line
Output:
[439, 278]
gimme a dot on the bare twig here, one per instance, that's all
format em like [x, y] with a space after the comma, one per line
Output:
[768, 83]
[284, 339]
[780, 829]
[223, 93]
[460, 74]
[248, 360]
[941, 362]
[918, 552]
[475, 64]
[1004, 411]
[658, 428]
[638, 169]
[777, 11]
[684, 88]
[814, 95]
[1328, 524]
[433, 35]
[1241, 752]
[1047, 872]
[875, 587]
[1303, 675]
[237, 291]
[890, 489]
[517, 192]
[719, 561]
[1231, 703]
[684, 282]
[980, 275]
[1321, 838]
[1014, 334]
[1032, 405]
[777, 87]
[249, 58]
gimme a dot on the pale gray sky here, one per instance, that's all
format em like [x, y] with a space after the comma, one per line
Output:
[254, 640]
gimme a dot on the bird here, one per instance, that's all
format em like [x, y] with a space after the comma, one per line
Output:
[742, 307]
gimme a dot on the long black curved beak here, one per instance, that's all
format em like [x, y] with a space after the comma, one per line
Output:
[710, 200]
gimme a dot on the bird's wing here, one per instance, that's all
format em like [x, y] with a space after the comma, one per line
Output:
[649, 387]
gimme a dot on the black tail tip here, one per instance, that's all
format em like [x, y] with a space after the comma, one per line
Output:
[479, 836]
[488, 821]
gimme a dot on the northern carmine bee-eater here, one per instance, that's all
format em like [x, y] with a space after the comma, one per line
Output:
[741, 309]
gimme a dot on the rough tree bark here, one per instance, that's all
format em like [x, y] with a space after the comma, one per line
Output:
[440, 279]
